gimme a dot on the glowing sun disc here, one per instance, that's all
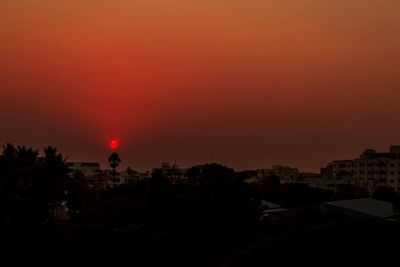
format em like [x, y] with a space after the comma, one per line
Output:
[114, 144]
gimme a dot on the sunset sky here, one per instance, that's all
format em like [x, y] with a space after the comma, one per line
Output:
[247, 83]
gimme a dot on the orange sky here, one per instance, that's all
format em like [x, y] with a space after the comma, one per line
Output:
[249, 83]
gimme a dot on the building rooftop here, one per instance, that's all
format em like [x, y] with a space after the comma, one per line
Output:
[369, 206]
[270, 205]
[393, 153]
[83, 164]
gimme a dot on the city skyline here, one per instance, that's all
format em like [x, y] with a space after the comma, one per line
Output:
[247, 84]
[113, 147]
[199, 133]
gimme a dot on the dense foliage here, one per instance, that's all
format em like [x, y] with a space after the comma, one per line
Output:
[211, 219]
[31, 187]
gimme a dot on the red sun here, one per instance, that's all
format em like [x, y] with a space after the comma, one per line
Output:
[114, 144]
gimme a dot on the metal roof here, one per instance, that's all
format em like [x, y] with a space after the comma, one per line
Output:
[270, 205]
[369, 206]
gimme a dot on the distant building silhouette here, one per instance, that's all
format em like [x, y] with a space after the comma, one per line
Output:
[172, 172]
[89, 169]
[286, 174]
[373, 170]
[369, 171]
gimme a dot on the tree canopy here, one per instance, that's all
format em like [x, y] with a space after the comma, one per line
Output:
[31, 186]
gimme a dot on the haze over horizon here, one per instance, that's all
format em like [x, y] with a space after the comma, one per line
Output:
[247, 83]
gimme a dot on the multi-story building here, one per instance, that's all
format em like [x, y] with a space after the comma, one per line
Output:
[130, 176]
[370, 171]
[264, 172]
[342, 169]
[327, 172]
[89, 169]
[173, 172]
[285, 173]
[373, 169]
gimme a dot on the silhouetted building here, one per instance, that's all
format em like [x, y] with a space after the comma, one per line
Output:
[172, 172]
[370, 171]
[89, 169]
[309, 176]
[327, 172]
[336, 174]
[373, 169]
[342, 169]
[130, 176]
[254, 179]
[264, 173]
[285, 173]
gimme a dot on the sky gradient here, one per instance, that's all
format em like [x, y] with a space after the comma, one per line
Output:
[248, 83]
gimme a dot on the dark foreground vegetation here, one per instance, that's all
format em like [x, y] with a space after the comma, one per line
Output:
[212, 219]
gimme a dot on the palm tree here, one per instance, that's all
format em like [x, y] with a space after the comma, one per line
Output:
[114, 161]
[31, 185]
[18, 173]
[17, 168]
[55, 173]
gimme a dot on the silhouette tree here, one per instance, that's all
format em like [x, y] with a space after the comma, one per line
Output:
[158, 194]
[17, 166]
[74, 187]
[30, 186]
[212, 177]
[114, 161]
[226, 209]
[55, 173]
[18, 178]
